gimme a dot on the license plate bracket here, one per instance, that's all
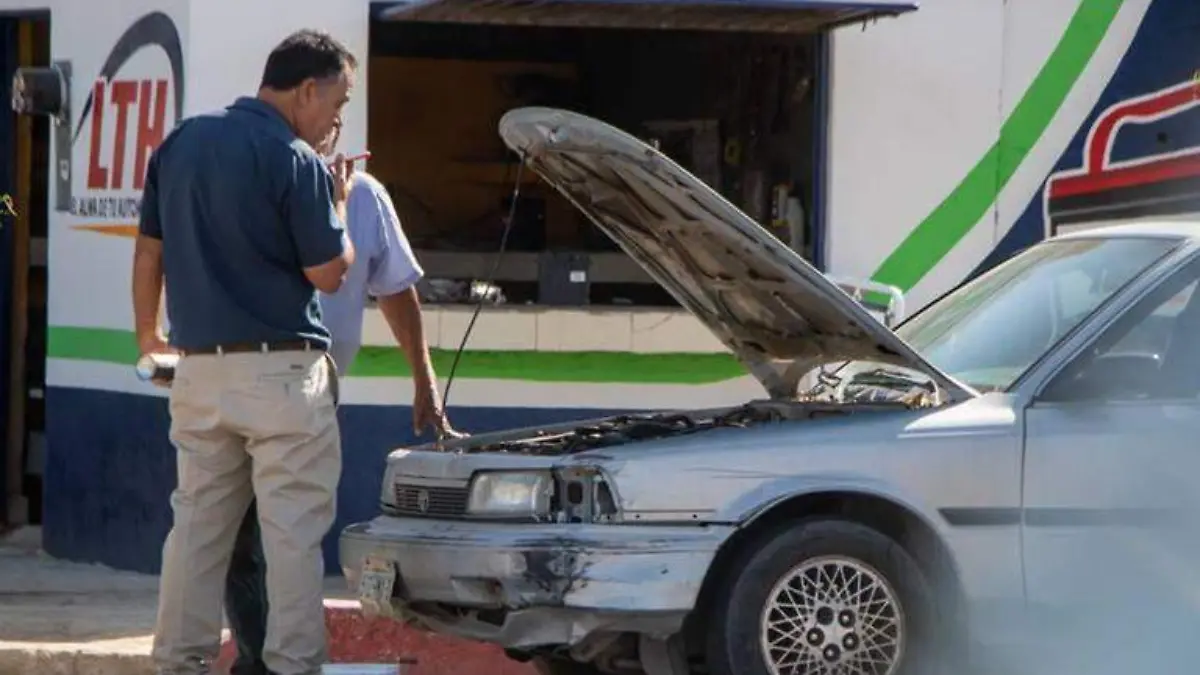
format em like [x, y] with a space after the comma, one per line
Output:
[376, 585]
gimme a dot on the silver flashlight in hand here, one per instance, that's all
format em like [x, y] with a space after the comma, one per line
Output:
[157, 367]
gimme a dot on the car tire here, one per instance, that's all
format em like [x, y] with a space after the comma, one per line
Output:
[749, 601]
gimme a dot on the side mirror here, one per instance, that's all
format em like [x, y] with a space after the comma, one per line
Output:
[883, 301]
[1126, 377]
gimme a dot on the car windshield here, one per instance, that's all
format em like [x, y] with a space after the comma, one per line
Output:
[989, 331]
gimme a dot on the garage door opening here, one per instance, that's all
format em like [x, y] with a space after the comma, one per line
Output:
[738, 108]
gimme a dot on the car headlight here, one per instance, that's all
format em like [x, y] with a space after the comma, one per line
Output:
[511, 493]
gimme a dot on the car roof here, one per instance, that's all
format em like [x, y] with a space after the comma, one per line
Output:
[1188, 229]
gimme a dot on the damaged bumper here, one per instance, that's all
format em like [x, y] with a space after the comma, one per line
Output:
[523, 586]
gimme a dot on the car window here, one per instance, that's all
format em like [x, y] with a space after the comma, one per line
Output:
[1153, 334]
[1077, 293]
[1149, 354]
[990, 331]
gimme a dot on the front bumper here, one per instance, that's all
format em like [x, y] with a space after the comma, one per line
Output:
[529, 585]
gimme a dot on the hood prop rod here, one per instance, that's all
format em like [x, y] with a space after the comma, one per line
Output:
[490, 280]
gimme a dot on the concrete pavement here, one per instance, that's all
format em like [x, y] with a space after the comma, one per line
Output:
[59, 617]
[65, 618]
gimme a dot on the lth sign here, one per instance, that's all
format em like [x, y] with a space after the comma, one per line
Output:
[112, 103]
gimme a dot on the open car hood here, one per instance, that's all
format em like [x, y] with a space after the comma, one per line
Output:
[777, 313]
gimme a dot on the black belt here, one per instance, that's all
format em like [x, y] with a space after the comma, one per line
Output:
[263, 347]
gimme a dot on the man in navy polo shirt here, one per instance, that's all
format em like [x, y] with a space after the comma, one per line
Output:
[386, 268]
[243, 221]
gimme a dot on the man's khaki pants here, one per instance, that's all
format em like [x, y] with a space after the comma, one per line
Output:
[250, 425]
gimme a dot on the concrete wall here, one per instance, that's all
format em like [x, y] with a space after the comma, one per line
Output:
[946, 123]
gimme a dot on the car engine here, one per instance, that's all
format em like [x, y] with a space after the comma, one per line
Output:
[623, 429]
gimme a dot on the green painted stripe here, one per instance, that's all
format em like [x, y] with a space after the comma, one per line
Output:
[607, 367]
[951, 220]
[118, 346]
[91, 344]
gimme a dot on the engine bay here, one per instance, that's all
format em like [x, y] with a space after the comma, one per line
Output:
[624, 429]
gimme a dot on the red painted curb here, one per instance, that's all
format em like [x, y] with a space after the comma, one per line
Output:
[354, 638]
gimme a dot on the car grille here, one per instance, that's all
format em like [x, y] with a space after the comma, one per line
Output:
[424, 500]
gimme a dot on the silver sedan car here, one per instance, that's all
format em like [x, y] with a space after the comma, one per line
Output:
[897, 500]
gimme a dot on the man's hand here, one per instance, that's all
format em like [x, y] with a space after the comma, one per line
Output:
[403, 313]
[343, 177]
[154, 343]
[427, 412]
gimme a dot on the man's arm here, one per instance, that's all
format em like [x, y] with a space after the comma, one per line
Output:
[392, 277]
[147, 290]
[316, 211]
[148, 266]
[402, 311]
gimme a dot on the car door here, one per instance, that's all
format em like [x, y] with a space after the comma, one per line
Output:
[1112, 460]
